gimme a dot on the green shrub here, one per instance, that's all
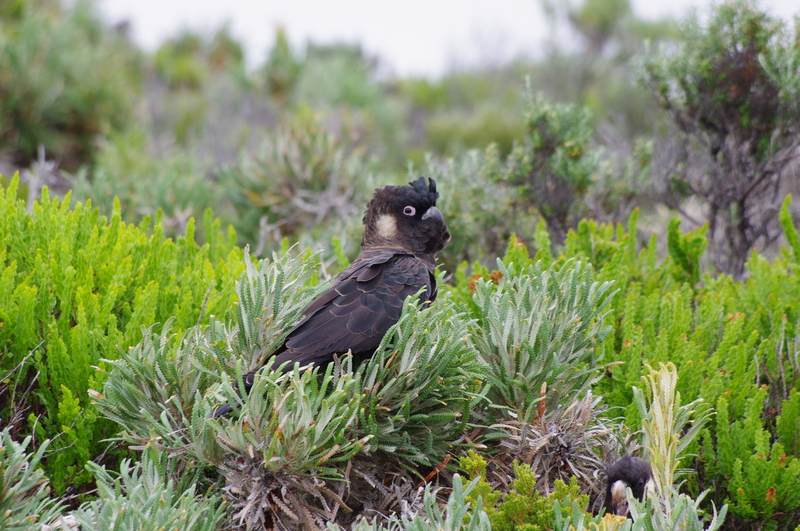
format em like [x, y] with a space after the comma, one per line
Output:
[481, 213]
[127, 171]
[282, 68]
[733, 344]
[522, 507]
[75, 289]
[538, 327]
[291, 439]
[730, 93]
[761, 481]
[450, 133]
[555, 164]
[420, 385]
[189, 59]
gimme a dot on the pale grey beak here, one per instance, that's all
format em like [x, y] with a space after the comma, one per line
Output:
[434, 213]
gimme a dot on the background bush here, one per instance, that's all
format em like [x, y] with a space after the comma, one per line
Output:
[64, 81]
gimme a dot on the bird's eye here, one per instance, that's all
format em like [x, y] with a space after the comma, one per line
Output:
[409, 210]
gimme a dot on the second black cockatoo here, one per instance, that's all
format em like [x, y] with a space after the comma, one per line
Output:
[403, 231]
[627, 471]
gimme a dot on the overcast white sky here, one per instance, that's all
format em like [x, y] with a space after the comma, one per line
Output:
[412, 37]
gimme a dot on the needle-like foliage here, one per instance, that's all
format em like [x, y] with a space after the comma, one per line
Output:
[157, 390]
[540, 326]
[455, 516]
[24, 493]
[143, 496]
[419, 386]
[292, 432]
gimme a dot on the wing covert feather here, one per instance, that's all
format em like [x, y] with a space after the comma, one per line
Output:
[355, 313]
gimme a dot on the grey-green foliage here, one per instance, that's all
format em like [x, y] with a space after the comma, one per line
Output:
[271, 298]
[64, 80]
[297, 422]
[282, 68]
[295, 433]
[685, 514]
[288, 442]
[24, 492]
[154, 392]
[540, 326]
[730, 91]
[456, 516]
[480, 212]
[305, 182]
[420, 384]
[144, 496]
[555, 164]
[669, 429]
[147, 181]
[159, 390]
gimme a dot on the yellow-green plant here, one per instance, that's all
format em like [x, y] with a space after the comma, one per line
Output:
[75, 289]
[667, 424]
[522, 507]
[667, 434]
[761, 482]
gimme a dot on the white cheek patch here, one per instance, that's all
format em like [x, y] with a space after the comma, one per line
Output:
[387, 226]
[618, 494]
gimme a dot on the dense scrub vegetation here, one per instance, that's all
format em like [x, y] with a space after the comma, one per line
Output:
[603, 327]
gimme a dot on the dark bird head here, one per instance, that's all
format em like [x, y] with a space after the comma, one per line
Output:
[626, 472]
[406, 217]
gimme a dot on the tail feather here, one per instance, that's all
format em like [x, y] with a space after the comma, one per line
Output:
[224, 409]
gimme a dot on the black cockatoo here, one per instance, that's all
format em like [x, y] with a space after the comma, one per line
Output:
[626, 471]
[403, 231]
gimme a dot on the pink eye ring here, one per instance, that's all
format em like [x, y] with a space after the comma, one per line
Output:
[409, 210]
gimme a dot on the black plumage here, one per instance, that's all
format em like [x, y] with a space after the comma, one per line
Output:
[626, 471]
[403, 231]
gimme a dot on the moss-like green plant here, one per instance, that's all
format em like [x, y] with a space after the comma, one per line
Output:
[686, 250]
[522, 507]
[761, 481]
